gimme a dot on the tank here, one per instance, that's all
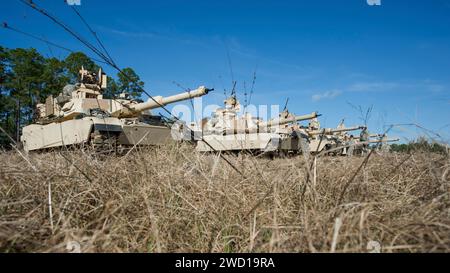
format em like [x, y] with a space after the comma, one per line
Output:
[366, 141]
[226, 131]
[313, 139]
[81, 116]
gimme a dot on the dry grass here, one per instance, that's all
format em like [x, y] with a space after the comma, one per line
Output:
[176, 200]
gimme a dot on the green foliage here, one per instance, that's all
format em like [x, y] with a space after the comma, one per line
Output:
[75, 61]
[55, 78]
[112, 90]
[24, 78]
[129, 82]
[28, 78]
[3, 60]
[421, 145]
[22, 84]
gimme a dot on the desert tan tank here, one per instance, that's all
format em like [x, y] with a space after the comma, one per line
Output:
[81, 116]
[313, 139]
[366, 141]
[363, 143]
[228, 131]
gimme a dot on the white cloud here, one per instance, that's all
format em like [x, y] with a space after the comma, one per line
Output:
[427, 86]
[327, 95]
[374, 86]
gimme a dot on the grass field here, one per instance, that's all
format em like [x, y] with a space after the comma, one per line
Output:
[176, 200]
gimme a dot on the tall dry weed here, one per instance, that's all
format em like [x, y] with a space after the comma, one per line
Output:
[174, 199]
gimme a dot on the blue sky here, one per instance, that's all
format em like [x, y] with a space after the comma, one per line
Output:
[324, 55]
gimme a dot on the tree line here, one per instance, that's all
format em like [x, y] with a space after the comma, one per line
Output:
[28, 78]
[421, 145]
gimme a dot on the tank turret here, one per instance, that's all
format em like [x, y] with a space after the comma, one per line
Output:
[78, 100]
[260, 127]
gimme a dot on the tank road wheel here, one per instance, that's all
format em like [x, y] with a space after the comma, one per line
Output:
[104, 142]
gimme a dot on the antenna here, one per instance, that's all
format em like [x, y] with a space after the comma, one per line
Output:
[233, 91]
[229, 63]
[245, 94]
[247, 102]
[223, 86]
[253, 86]
[44, 40]
[286, 105]
[92, 31]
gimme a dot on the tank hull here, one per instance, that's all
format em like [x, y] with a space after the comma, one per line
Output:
[294, 145]
[37, 137]
[144, 134]
[261, 142]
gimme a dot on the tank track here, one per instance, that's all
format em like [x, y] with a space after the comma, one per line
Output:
[105, 143]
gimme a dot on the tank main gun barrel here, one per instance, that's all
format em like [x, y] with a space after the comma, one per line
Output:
[161, 101]
[359, 144]
[334, 131]
[278, 122]
[383, 141]
[131, 110]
